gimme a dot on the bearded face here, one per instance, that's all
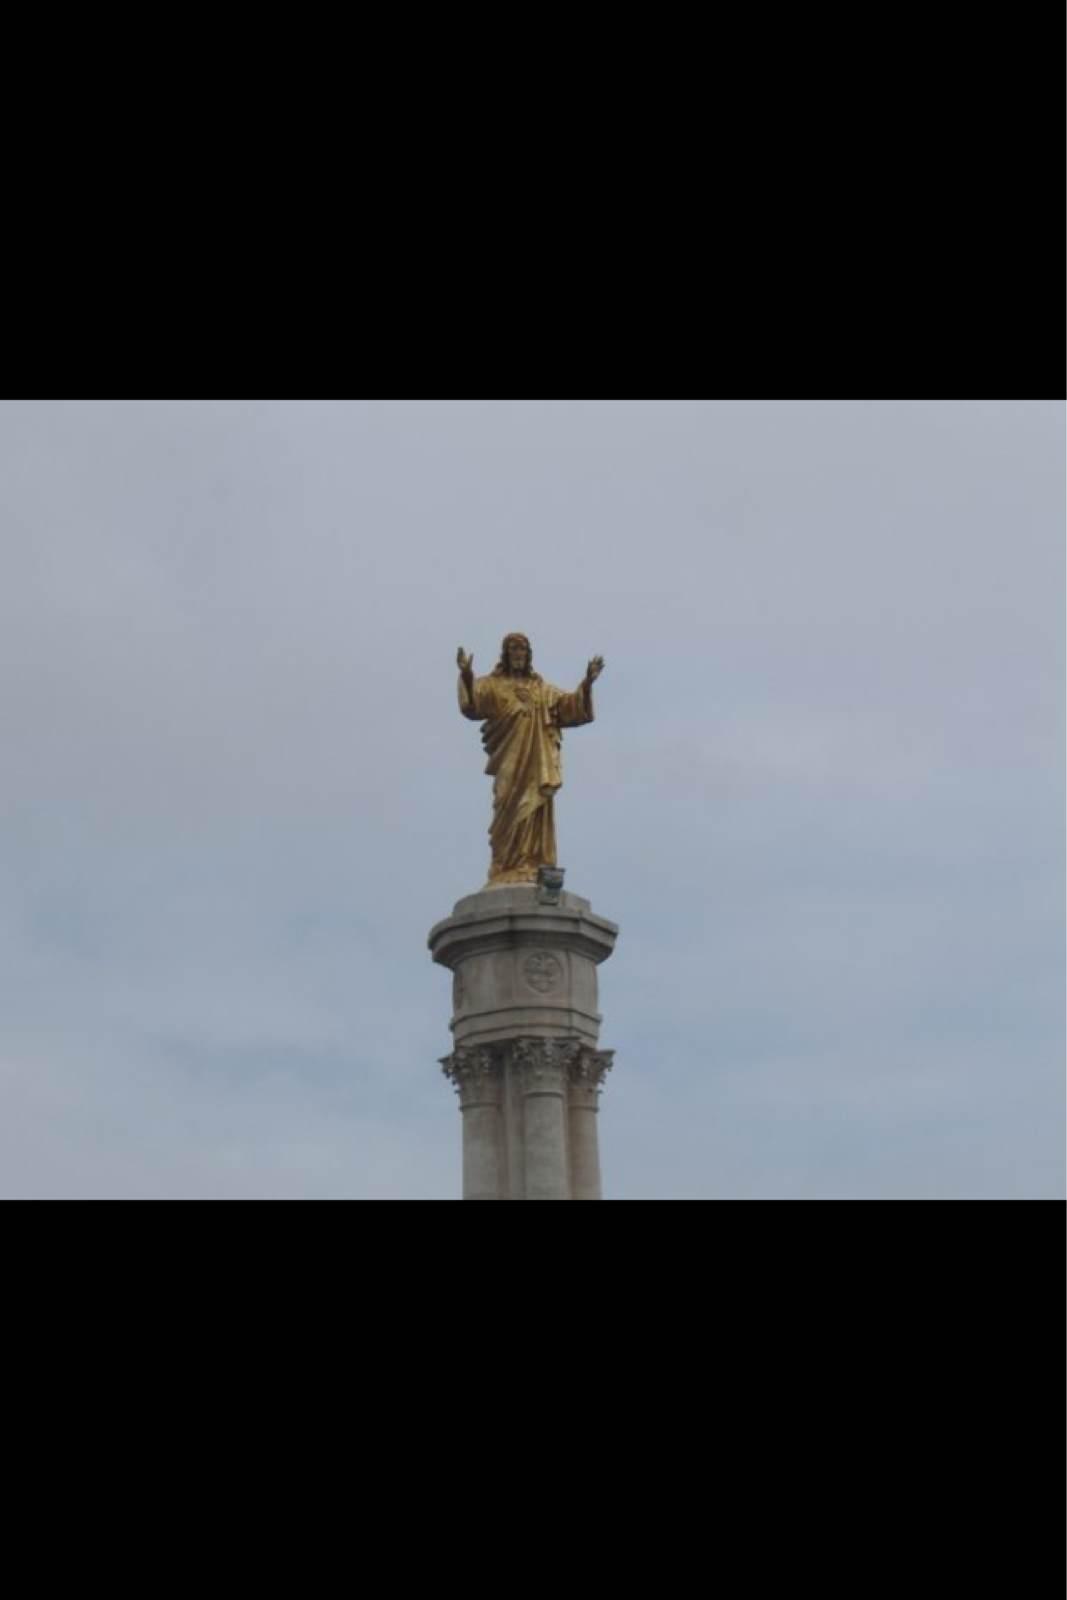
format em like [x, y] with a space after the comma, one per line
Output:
[516, 654]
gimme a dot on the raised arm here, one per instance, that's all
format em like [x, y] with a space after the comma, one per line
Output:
[575, 709]
[467, 697]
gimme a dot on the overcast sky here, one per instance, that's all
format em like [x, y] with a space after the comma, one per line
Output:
[823, 796]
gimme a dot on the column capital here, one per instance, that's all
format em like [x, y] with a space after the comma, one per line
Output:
[586, 1074]
[543, 1064]
[475, 1074]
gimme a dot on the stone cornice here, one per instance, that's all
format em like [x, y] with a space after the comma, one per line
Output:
[456, 938]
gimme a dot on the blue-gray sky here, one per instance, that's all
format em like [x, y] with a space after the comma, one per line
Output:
[823, 795]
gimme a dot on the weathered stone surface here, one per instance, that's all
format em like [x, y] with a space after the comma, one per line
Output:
[526, 1065]
[523, 967]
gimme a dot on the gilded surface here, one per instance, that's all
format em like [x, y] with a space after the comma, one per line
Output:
[522, 719]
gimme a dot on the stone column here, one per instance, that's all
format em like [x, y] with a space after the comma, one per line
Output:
[542, 1066]
[524, 962]
[586, 1074]
[477, 1076]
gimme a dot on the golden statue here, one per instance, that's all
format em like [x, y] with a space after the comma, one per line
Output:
[522, 719]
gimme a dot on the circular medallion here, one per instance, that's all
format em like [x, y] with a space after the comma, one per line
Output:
[542, 971]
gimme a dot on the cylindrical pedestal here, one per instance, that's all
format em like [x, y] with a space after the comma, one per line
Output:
[526, 1064]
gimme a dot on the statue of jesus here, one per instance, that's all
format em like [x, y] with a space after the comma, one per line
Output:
[522, 719]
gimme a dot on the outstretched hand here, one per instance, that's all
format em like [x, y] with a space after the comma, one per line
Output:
[465, 663]
[594, 669]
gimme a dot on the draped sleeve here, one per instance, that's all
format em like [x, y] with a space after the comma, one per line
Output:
[573, 709]
[480, 703]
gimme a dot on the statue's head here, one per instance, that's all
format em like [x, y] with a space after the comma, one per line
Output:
[516, 657]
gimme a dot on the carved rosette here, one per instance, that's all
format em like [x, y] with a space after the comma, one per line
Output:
[543, 1064]
[476, 1075]
[543, 972]
[587, 1074]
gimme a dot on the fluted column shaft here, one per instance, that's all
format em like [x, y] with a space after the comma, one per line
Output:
[542, 1065]
[587, 1075]
[478, 1076]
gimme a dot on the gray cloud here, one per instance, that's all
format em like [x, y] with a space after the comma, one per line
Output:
[823, 796]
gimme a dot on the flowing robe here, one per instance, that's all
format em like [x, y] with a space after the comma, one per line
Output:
[522, 720]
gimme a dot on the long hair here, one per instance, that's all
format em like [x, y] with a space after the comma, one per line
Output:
[502, 670]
